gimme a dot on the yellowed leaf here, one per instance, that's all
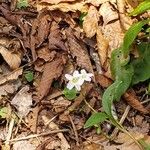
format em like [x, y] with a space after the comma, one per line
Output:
[90, 22]
[65, 7]
[108, 13]
[102, 45]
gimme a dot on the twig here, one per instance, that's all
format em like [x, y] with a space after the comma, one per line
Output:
[38, 135]
[75, 130]
[90, 106]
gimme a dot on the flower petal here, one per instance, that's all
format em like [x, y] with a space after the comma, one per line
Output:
[90, 74]
[76, 73]
[70, 85]
[80, 81]
[68, 76]
[88, 78]
[78, 87]
[83, 72]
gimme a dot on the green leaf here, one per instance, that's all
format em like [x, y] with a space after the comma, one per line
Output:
[144, 144]
[29, 76]
[130, 36]
[4, 112]
[142, 64]
[81, 18]
[70, 94]
[141, 8]
[95, 118]
[22, 4]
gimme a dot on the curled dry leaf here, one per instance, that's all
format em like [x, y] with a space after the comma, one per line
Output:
[125, 20]
[102, 45]
[55, 38]
[56, 1]
[22, 101]
[52, 70]
[107, 12]
[65, 7]
[90, 22]
[133, 101]
[78, 50]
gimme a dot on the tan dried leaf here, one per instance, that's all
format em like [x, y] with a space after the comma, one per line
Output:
[78, 50]
[102, 45]
[11, 76]
[52, 70]
[22, 101]
[107, 12]
[56, 1]
[133, 101]
[90, 22]
[65, 7]
[12, 59]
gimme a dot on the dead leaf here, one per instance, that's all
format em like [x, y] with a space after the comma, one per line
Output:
[103, 80]
[22, 101]
[56, 1]
[55, 38]
[65, 7]
[11, 76]
[52, 126]
[102, 45]
[23, 145]
[108, 13]
[90, 22]
[52, 70]
[125, 20]
[133, 101]
[78, 50]
[45, 54]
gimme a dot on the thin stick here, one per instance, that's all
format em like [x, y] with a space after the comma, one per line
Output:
[38, 135]
[75, 130]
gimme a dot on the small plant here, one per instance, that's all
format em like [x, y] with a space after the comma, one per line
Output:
[22, 4]
[75, 82]
[29, 76]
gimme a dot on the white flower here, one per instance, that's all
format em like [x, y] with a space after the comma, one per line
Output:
[77, 79]
[86, 76]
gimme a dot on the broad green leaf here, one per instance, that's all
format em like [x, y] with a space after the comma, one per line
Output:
[70, 94]
[29, 76]
[130, 36]
[141, 8]
[95, 118]
[22, 4]
[142, 64]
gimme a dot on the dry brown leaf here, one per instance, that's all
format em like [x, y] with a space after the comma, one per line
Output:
[125, 20]
[133, 101]
[90, 22]
[103, 80]
[107, 12]
[78, 50]
[55, 38]
[12, 59]
[99, 2]
[52, 126]
[65, 7]
[11, 76]
[22, 101]
[102, 45]
[52, 70]
[56, 1]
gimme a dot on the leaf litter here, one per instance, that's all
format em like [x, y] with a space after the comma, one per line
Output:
[50, 39]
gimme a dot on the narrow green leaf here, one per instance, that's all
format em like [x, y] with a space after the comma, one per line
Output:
[70, 94]
[130, 36]
[29, 76]
[142, 64]
[81, 18]
[141, 8]
[96, 118]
